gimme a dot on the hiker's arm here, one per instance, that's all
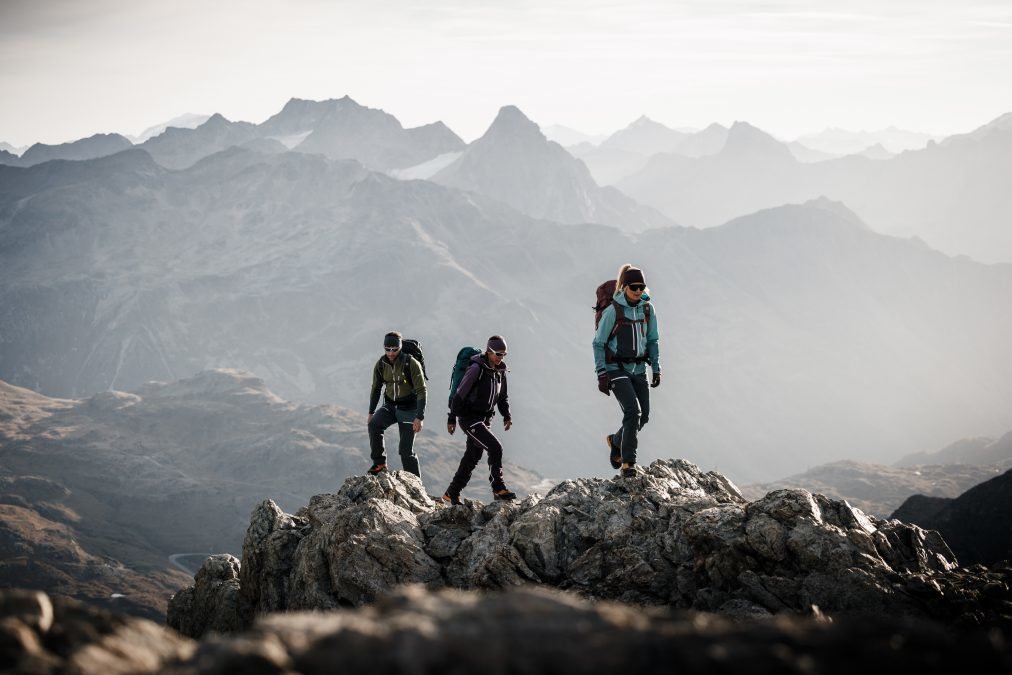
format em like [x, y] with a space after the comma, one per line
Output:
[374, 396]
[464, 388]
[653, 344]
[601, 337]
[504, 404]
[418, 380]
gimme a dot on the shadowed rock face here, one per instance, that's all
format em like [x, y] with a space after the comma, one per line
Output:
[672, 536]
[527, 630]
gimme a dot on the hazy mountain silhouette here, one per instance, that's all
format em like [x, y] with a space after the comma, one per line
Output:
[952, 195]
[645, 137]
[178, 148]
[790, 338]
[343, 129]
[981, 450]
[185, 121]
[514, 163]
[838, 142]
[98, 145]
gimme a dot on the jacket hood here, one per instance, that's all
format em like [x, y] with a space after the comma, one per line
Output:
[620, 298]
[480, 360]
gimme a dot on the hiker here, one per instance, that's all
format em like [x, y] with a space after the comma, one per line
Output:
[622, 347]
[403, 380]
[481, 390]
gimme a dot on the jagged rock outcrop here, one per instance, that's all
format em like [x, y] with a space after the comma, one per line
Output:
[672, 536]
[526, 630]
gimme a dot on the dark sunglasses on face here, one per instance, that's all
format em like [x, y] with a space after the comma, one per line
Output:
[392, 349]
[499, 354]
[637, 287]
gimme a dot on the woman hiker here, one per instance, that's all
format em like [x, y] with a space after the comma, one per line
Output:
[626, 340]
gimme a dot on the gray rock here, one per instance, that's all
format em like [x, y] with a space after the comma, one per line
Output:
[672, 536]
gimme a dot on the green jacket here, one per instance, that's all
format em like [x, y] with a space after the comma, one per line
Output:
[403, 381]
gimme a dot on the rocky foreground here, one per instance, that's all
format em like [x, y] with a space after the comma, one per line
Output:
[791, 583]
[671, 537]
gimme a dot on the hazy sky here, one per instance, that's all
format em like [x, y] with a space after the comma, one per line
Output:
[71, 68]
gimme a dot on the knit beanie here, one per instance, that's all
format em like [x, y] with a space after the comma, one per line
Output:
[496, 344]
[633, 275]
[392, 341]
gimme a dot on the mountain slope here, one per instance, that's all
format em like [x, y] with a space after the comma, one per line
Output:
[790, 338]
[976, 523]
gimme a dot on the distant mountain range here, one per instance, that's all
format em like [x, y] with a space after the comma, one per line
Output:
[953, 195]
[790, 337]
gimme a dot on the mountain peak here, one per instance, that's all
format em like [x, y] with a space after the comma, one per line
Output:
[743, 139]
[512, 123]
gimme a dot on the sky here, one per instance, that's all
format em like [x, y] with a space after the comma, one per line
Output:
[70, 68]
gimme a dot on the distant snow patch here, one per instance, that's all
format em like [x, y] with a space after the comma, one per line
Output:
[428, 169]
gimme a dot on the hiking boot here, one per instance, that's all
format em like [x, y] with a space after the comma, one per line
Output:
[503, 495]
[628, 471]
[452, 501]
[615, 455]
[376, 469]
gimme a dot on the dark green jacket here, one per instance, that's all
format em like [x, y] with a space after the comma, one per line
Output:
[403, 381]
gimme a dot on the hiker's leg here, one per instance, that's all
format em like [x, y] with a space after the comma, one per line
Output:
[625, 394]
[409, 460]
[381, 419]
[472, 453]
[642, 388]
[484, 437]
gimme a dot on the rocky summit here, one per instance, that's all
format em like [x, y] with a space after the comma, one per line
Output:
[670, 537]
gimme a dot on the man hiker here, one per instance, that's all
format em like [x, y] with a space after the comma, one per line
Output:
[401, 377]
[481, 390]
[625, 341]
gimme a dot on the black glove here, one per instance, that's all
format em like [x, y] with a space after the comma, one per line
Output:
[604, 384]
[657, 380]
[644, 418]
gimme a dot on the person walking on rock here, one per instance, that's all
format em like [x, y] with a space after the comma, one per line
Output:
[401, 377]
[482, 389]
[626, 340]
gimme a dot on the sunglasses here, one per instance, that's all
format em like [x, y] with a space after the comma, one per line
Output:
[391, 349]
[637, 287]
[499, 354]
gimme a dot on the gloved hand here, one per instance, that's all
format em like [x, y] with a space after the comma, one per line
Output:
[657, 380]
[451, 423]
[604, 384]
[644, 418]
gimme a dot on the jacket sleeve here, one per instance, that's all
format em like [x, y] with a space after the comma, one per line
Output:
[464, 388]
[377, 383]
[601, 337]
[653, 342]
[504, 400]
[418, 381]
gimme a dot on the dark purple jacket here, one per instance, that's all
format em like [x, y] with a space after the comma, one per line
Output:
[481, 390]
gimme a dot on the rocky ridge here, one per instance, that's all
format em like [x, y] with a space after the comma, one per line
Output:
[672, 536]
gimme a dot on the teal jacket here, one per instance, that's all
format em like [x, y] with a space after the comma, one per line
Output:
[645, 337]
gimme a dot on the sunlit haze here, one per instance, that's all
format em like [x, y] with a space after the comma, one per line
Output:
[72, 69]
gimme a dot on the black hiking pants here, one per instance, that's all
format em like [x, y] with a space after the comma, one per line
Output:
[381, 420]
[479, 439]
[633, 395]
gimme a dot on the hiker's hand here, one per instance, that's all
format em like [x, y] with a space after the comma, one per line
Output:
[644, 418]
[451, 424]
[417, 425]
[657, 380]
[368, 420]
[604, 384]
[506, 424]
